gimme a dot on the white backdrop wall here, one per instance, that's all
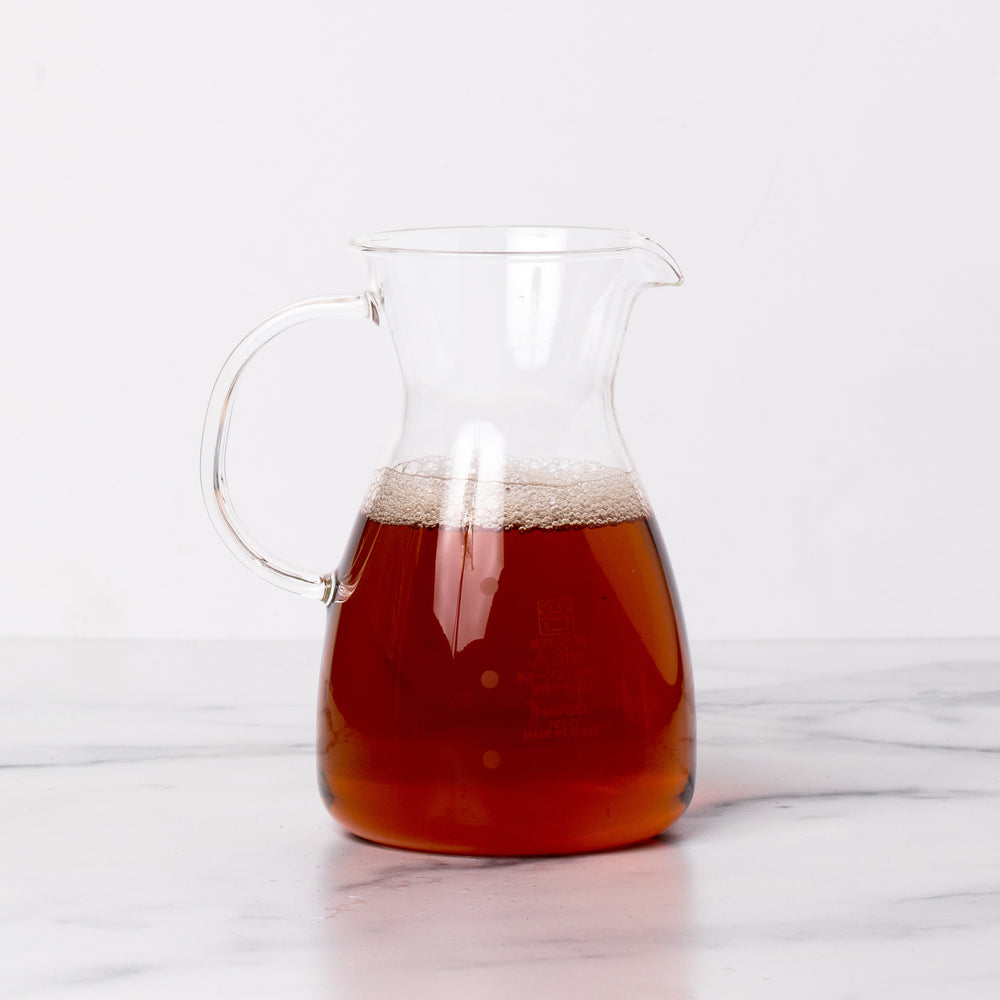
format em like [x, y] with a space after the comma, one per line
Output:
[814, 413]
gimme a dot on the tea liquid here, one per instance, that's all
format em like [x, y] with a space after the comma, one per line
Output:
[518, 686]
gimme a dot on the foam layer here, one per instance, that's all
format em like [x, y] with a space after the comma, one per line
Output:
[528, 494]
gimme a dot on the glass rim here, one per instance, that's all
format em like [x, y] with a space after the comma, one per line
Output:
[501, 241]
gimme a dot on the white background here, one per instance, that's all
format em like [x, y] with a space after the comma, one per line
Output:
[814, 413]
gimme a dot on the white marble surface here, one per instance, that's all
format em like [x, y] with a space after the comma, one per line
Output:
[162, 836]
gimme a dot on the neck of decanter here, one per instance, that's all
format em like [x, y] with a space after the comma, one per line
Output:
[508, 359]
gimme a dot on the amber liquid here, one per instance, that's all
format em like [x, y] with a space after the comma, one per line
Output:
[506, 692]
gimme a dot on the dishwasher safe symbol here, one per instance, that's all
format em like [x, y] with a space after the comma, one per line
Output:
[555, 616]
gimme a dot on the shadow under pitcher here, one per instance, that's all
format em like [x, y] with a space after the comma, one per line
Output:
[505, 669]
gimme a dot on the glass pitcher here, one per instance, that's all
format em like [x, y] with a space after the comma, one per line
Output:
[505, 669]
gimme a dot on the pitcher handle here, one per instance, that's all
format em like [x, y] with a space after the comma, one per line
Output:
[216, 435]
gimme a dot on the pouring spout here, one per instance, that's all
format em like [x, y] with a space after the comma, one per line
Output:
[656, 267]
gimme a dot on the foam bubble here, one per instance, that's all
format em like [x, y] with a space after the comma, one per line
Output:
[533, 493]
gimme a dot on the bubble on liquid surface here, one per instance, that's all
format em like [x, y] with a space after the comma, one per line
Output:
[533, 493]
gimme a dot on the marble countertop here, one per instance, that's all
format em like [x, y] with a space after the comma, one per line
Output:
[162, 836]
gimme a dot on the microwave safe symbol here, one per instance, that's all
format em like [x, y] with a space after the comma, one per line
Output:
[555, 616]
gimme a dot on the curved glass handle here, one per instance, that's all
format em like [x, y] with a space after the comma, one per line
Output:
[216, 434]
